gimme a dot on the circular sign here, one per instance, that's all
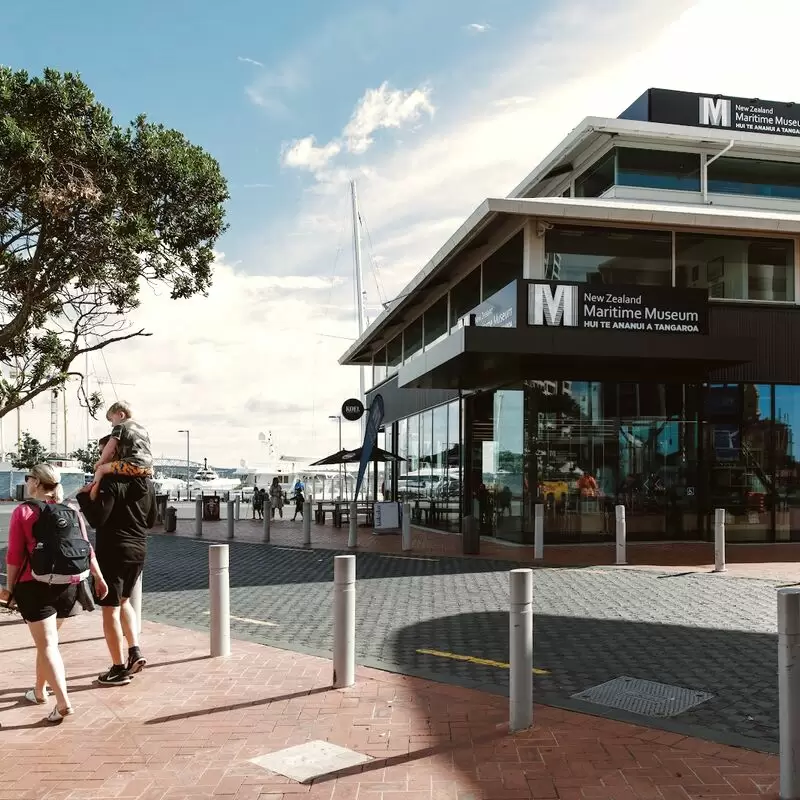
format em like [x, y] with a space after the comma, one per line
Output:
[352, 410]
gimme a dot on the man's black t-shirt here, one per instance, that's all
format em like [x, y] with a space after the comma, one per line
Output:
[124, 511]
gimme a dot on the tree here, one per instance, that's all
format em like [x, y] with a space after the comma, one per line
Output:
[29, 453]
[88, 457]
[90, 212]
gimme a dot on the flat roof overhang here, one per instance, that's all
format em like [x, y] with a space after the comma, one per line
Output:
[476, 357]
[597, 211]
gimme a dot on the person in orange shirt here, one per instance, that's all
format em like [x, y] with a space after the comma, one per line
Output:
[587, 485]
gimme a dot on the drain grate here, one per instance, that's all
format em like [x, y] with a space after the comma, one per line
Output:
[648, 698]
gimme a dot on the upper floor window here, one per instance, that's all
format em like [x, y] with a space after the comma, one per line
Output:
[412, 339]
[608, 255]
[465, 295]
[436, 321]
[658, 169]
[503, 266]
[596, 179]
[752, 176]
[735, 267]
[394, 354]
[379, 366]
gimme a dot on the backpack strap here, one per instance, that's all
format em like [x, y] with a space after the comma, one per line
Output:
[38, 504]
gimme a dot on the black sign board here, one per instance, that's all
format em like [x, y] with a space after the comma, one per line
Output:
[721, 112]
[645, 309]
[352, 410]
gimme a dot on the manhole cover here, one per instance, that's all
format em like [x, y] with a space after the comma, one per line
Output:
[648, 698]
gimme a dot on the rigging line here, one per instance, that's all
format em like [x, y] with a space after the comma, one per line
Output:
[373, 261]
[342, 228]
[108, 372]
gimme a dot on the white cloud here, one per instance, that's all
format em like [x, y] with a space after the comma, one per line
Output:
[273, 87]
[305, 154]
[477, 27]
[385, 108]
[246, 60]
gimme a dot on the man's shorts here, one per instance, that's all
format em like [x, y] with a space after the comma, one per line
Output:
[121, 578]
[37, 601]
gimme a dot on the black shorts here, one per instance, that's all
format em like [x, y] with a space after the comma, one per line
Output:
[121, 578]
[37, 601]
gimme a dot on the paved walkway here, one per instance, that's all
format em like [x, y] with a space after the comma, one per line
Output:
[774, 561]
[187, 727]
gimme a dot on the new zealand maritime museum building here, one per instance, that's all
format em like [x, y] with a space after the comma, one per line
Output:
[623, 328]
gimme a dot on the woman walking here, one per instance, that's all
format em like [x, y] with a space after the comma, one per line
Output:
[276, 498]
[258, 503]
[45, 605]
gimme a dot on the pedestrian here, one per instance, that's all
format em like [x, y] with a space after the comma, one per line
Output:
[126, 450]
[276, 498]
[299, 499]
[124, 511]
[49, 557]
[258, 503]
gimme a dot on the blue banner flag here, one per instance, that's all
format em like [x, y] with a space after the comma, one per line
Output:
[374, 421]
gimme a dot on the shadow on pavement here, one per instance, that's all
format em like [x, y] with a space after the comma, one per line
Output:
[738, 668]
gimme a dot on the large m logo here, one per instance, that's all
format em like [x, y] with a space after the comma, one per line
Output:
[552, 305]
[715, 112]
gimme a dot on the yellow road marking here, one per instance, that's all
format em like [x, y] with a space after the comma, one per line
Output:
[484, 662]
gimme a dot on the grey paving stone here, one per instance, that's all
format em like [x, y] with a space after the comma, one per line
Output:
[708, 633]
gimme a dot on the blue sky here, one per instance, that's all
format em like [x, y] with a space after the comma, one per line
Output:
[431, 106]
[183, 63]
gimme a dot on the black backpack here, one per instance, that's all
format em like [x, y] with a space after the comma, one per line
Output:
[61, 554]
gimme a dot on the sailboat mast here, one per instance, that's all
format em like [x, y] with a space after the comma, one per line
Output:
[359, 284]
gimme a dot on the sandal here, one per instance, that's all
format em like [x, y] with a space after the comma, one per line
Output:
[31, 697]
[57, 716]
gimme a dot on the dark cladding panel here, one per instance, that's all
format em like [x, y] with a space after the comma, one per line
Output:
[399, 403]
[639, 110]
[774, 330]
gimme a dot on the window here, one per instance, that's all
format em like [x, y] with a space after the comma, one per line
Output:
[436, 321]
[412, 339]
[754, 177]
[465, 296]
[608, 256]
[737, 268]
[598, 178]
[394, 355]
[658, 169]
[503, 266]
[379, 366]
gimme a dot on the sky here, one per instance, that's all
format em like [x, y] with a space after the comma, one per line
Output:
[429, 106]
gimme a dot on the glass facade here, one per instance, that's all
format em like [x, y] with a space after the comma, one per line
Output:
[658, 169]
[752, 176]
[671, 453]
[734, 267]
[588, 254]
[430, 477]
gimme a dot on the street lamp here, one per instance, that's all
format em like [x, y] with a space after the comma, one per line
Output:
[339, 419]
[188, 465]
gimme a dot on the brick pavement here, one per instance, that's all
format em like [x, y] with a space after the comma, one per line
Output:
[771, 561]
[186, 727]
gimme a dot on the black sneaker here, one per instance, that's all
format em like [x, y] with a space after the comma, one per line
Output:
[136, 663]
[116, 676]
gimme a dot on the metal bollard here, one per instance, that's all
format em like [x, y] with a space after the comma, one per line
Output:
[538, 532]
[198, 516]
[789, 691]
[352, 530]
[344, 621]
[719, 540]
[219, 596]
[238, 507]
[231, 518]
[405, 529]
[520, 630]
[136, 602]
[267, 523]
[621, 536]
[306, 524]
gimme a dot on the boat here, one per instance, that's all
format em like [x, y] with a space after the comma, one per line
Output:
[207, 479]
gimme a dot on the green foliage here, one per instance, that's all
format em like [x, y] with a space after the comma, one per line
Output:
[89, 212]
[29, 453]
[88, 456]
